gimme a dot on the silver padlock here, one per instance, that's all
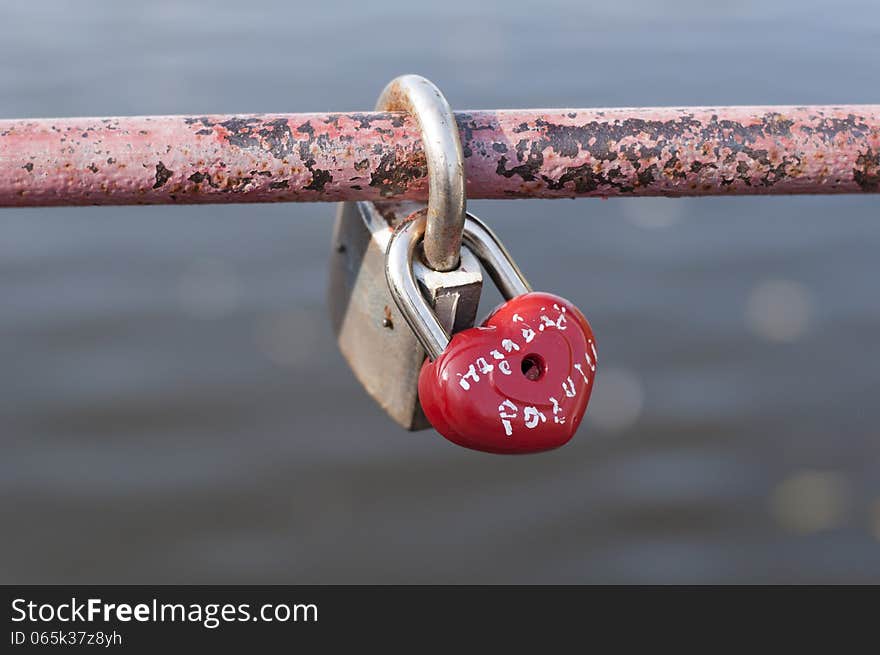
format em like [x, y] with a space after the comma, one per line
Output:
[382, 351]
[401, 266]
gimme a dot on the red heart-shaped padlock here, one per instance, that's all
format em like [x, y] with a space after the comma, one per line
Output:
[519, 383]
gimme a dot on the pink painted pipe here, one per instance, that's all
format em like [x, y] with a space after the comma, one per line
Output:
[557, 153]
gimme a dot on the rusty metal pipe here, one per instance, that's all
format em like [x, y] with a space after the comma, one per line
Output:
[556, 153]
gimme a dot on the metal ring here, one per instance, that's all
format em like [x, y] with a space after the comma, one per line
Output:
[479, 239]
[447, 195]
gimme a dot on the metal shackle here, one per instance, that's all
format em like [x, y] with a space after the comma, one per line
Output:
[447, 194]
[403, 247]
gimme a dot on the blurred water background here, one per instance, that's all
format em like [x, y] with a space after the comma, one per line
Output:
[172, 405]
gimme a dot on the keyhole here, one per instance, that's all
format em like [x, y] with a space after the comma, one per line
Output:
[532, 367]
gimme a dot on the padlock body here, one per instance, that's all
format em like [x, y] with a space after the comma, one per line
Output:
[520, 383]
[374, 338]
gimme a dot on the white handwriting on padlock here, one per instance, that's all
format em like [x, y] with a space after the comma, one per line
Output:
[532, 416]
[508, 411]
[481, 366]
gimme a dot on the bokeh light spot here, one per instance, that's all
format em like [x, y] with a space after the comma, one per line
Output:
[811, 501]
[779, 310]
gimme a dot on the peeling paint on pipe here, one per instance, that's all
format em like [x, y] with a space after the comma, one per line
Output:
[560, 153]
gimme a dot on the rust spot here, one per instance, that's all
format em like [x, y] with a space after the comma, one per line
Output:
[199, 177]
[162, 175]
[867, 173]
[394, 176]
[319, 179]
